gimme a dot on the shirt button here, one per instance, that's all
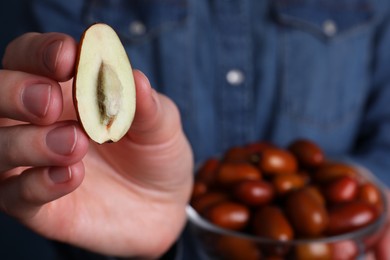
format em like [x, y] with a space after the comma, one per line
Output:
[329, 27]
[235, 77]
[137, 28]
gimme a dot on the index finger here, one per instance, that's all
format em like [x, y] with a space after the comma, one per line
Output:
[51, 55]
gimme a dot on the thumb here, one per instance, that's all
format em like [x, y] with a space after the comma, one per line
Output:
[156, 142]
[156, 119]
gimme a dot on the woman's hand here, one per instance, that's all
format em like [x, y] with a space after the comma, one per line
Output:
[126, 198]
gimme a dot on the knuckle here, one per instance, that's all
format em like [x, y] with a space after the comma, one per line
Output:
[28, 192]
[12, 152]
[8, 153]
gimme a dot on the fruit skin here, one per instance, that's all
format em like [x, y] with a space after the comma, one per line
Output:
[253, 192]
[107, 50]
[306, 214]
[277, 161]
[315, 251]
[204, 201]
[284, 183]
[237, 248]
[333, 170]
[308, 153]
[207, 171]
[230, 173]
[341, 190]
[370, 193]
[228, 214]
[350, 216]
[270, 222]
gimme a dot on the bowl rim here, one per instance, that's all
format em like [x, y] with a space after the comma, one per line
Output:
[197, 220]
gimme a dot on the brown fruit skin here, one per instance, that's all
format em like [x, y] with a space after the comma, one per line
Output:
[203, 202]
[236, 248]
[258, 147]
[350, 216]
[284, 183]
[255, 149]
[315, 193]
[308, 217]
[333, 170]
[229, 215]
[270, 222]
[277, 161]
[199, 188]
[314, 251]
[253, 192]
[343, 189]
[230, 173]
[308, 153]
[370, 193]
[207, 171]
[74, 98]
[236, 154]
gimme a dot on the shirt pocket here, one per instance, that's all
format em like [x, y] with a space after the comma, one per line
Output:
[325, 50]
[137, 21]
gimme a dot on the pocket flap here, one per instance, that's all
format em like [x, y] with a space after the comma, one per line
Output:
[325, 17]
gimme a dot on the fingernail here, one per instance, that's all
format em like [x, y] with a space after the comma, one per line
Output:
[36, 99]
[51, 54]
[62, 140]
[60, 174]
[145, 77]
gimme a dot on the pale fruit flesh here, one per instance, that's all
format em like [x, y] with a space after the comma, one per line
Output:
[104, 89]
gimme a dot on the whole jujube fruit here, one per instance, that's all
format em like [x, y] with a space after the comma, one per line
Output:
[253, 192]
[270, 222]
[230, 173]
[331, 171]
[370, 193]
[277, 161]
[284, 183]
[308, 217]
[229, 215]
[308, 153]
[349, 217]
[341, 190]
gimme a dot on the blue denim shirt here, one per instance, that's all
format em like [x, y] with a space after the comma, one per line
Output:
[246, 70]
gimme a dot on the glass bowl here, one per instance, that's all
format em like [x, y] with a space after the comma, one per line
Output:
[215, 242]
